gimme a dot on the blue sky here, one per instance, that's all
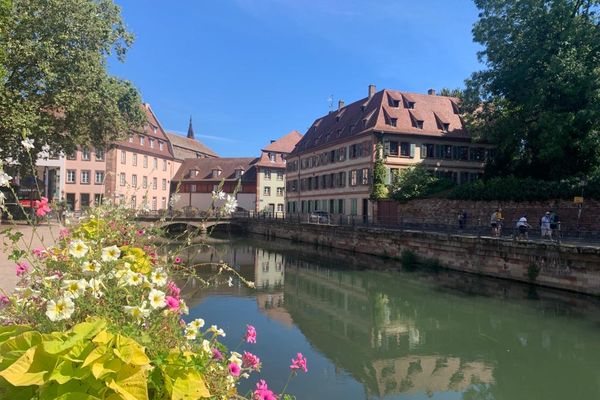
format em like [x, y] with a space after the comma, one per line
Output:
[248, 71]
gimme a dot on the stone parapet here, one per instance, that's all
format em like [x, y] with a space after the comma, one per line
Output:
[569, 267]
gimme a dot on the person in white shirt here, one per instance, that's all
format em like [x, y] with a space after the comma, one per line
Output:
[523, 226]
[545, 226]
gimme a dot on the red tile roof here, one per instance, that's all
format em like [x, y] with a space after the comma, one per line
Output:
[152, 129]
[284, 144]
[264, 161]
[205, 166]
[376, 114]
[184, 147]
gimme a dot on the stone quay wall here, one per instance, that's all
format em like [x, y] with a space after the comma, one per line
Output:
[445, 211]
[569, 267]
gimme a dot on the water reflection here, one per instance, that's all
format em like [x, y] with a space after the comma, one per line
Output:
[404, 334]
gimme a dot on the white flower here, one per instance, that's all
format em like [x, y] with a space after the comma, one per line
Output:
[236, 358]
[138, 313]
[111, 253]
[220, 195]
[134, 279]
[158, 277]
[2, 200]
[190, 334]
[230, 205]
[206, 346]
[74, 288]
[60, 309]
[183, 308]
[78, 249]
[95, 286]
[4, 179]
[90, 267]
[27, 143]
[196, 324]
[230, 281]
[217, 331]
[157, 299]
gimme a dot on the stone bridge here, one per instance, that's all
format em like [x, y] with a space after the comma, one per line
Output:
[201, 223]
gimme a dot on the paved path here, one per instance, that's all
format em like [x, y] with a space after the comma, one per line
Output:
[42, 237]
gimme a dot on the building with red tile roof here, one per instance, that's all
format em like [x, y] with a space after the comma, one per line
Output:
[330, 169]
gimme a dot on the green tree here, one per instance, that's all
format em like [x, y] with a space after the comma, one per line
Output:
[380, 190]
[457, 92]
[537, 99]
[412, 182]
[56, 88]
[4, 10]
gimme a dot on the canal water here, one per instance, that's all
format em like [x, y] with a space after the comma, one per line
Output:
[374, 329]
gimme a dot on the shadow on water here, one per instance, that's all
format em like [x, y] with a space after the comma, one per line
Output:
[417, 331]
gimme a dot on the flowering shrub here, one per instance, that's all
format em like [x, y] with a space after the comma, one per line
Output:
[99, 316]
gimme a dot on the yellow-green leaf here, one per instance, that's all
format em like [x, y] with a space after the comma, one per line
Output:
[79, 333]
[103, 337]
[6, 332]
[95, 355]
[131, 383]
[18, 374]
[77, 396]
[130, 351]
[106, 366]
[188, 386]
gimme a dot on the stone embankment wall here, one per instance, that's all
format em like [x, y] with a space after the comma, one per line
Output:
[479, 212]
[559, 266]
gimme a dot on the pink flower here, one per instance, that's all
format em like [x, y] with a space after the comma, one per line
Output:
[172, 303]
[139, 232]
[4, 299]
[41, 207]
[177, 260]
[262, 392]
[173, 289]
[216, 354]
[299, 363]
[39, 252]
[249, 360]
[21, 269]
[250, 334]
[234, 369]
[63, 233]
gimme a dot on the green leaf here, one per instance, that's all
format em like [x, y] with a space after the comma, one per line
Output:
[130, 351]
[20, 374]
[131, 383]
[79, 333]
[189, 385]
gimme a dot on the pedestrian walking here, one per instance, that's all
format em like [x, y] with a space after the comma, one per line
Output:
[546, 232]
[523, 227]
[462, 219]
[496, 222]
[554, 224]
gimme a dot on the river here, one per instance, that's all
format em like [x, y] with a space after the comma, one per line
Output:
[372, 329]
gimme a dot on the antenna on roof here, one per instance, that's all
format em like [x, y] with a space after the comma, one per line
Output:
[330, 101]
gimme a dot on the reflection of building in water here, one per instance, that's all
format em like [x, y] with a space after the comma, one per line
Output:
[268, 269]
[428, 374]
[373, 335]
[271, 304]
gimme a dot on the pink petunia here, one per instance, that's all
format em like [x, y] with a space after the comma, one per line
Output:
[38, 252]
[216, 354]
[249, 360]
[234, 369]
[63, 233]
[140, 232]
[41, 207]
[22, 269]
[177, 260]
[172, 303]
[173, 289]
[4, 299]
[250, 334]
[299, 363]
[263, 392]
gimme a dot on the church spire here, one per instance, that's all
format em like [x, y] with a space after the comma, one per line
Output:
[190, 133]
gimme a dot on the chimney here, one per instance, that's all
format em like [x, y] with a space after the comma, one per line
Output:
[341, 104]
[371, 90]
[431, 92]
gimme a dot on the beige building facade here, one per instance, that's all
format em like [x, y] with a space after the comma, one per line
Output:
[331, 168]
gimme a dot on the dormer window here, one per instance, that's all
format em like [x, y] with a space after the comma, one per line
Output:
[395, 103]
[151, 141]
[393, 121]
[160, 145]
[410, 105]
[154, 129]
[445, 127]
[216, 172]
[142, 140]
[238, 173]
[272, 157]
[455, 108]
[419, 124]
[194, 172]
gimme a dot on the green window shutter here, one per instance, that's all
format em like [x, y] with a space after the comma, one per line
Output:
[412, 150]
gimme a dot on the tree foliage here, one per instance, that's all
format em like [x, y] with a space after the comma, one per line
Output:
[414, 182]
[56, 89]
[380, 190]
[538, 99]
